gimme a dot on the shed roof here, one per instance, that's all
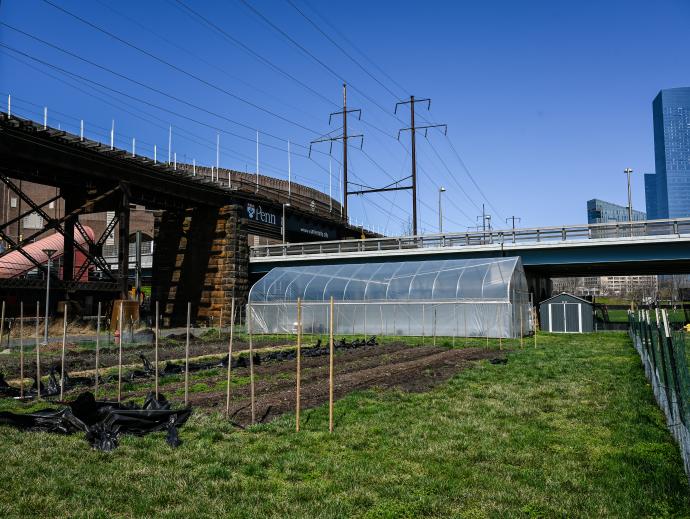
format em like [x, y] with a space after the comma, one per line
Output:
[567, 295]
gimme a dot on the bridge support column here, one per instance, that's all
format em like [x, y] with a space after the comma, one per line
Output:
[539, 287]
[201, 256]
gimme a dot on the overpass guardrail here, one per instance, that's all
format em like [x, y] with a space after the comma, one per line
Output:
[620, 230]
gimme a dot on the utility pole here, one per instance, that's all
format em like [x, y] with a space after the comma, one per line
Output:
[485, 218]
[344, 137]
[413, 131]
[628, 171]
[513, 219]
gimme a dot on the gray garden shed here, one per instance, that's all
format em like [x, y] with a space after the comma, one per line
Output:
[566, 313]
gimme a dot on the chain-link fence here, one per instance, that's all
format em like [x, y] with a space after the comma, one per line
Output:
[662, 351]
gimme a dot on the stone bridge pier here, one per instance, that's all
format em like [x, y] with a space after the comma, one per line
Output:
[201, 256]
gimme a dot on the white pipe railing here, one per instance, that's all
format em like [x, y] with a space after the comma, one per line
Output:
[617, 230]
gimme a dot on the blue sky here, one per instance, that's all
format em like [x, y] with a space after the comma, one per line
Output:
[546, 101]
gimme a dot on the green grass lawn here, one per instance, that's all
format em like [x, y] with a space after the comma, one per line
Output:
[568, 429]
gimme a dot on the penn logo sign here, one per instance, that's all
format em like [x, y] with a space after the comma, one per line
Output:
[255, 212]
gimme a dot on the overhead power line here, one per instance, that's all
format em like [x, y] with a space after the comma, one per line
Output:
[178, 69]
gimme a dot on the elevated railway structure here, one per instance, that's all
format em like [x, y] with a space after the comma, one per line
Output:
[201, 226]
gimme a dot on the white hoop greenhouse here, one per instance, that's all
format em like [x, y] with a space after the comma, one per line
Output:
[455, 297]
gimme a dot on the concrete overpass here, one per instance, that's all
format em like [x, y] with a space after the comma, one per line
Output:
[646, 247]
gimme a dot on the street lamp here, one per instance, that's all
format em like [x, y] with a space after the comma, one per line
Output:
[282, 229]
[49, 253]
[628, 172]
[440, 210]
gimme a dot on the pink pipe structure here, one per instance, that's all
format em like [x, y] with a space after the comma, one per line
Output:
[16, 264]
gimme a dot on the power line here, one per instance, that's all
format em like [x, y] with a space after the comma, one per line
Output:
[127, 78]
[311, 55]
[178, 69]
[148, 103]
[201, 59]
[195, 14]
[315, 25]
[349, 42]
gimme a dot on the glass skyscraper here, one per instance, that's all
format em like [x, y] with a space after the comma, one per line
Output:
[667, 192]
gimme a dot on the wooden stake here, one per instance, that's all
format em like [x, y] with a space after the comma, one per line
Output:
[251, 365]
[186, 357]
[498, 328]
[119, 363]
[38, 351]
[299, 363]
[522, 334]
[62, 360]
[2, 322]
[464, 315]
[21, 349]
[435, 327]
[534, 320]
[455, 319]
[98, 347]
[155, 351]
[330, 372]
[220, 321]
[232, 331]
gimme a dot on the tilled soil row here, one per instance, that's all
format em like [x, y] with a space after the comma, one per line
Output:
[410, 369]
[312, 368]
[108, 357]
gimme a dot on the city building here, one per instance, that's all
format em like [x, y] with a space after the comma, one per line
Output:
[667, 191]
[600, 211]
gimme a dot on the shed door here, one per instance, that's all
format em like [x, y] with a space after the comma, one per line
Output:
[565, 317]
[573, 317]
[556, 317]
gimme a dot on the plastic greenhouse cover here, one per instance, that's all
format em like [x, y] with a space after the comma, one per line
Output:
[451, 297]
[424, 281]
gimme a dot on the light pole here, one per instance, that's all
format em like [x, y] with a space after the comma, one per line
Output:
[628, 171]
[49, 253]
[440, 209]
[282, 227]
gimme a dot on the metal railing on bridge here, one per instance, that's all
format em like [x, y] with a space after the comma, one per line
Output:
[569, 233]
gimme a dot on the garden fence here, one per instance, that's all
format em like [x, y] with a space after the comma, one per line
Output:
[663, 355]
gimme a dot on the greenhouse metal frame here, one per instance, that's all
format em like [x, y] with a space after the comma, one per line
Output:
[485, 297]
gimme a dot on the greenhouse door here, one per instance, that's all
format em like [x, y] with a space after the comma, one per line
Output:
[565, 317]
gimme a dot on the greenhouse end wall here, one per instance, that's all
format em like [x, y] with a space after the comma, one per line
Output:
[470, 298]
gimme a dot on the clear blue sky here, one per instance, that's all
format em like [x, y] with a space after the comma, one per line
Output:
[546, 101]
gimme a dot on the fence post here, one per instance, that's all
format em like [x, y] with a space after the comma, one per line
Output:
[119, 362]
[98, 339]
[38, 351]
[251, 364]
[186, 356]
[330, 371]
[155, 350]
[464, 315]
[298, 375]
[2, 322]
[62, 360]
[434, 326]
[21, 349]
[232, 331]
